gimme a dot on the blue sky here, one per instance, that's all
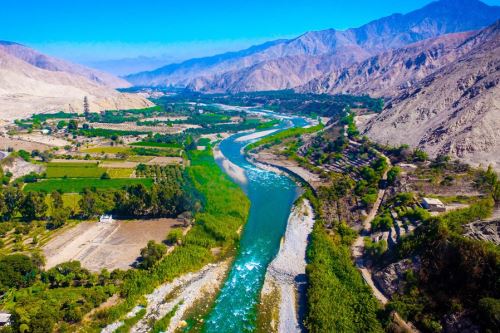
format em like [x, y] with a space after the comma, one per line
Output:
[95, 30]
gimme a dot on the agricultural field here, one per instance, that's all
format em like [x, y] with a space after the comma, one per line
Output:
[106, 245]
[88, 170]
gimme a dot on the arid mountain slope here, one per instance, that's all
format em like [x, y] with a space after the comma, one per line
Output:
[26, 89]
[270, 66]
[43, 61]
[453, 111]
[389, 73]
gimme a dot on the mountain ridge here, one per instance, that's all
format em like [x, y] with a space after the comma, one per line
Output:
[380, 35]
[31, 83]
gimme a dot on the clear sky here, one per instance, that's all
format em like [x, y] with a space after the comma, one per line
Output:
[94, 30]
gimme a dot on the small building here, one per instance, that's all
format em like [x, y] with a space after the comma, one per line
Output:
[5, 319]
[433, 205]
[106, 218]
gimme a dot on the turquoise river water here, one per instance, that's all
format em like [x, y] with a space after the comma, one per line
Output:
[271, 196]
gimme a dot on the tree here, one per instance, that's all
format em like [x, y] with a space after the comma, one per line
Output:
[105, 175]
[17, 271]
[151, 254]
[72, 125]
[59, 217]
[392, 175]
[34, 206]
[174, 236]
[57, 200]
[61, 124]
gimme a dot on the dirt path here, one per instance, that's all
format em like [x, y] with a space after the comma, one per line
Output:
[358, 246]
[286, 273]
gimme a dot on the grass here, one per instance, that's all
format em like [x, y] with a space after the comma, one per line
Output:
[74, 172]
[280, 136]
[156, 144]
[78, 185]
[120, 173]
[107, 150]
[78, 164]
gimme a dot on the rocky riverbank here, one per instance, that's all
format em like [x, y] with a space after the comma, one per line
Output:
[286, 275]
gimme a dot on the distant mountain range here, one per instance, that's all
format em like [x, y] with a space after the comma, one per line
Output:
[285, 64]
[31, 82]
[436, 67]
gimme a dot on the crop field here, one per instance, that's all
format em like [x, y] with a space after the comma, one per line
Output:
[88, 170]
[156, 144]
[120, 172]
[107, 150]
[74, 172]
[78, 185]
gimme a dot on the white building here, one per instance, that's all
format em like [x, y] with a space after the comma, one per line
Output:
[433, 205]
[106, 218]
[4, 319]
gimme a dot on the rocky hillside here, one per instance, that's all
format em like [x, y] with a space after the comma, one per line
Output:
[289, 63]
[389, 73]
[43, 61]
[31, 82]
[454, 110]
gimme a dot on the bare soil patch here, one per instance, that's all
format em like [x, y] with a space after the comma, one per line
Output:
[18, 144]
[106, 245]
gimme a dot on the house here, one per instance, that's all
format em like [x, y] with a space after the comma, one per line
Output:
[4, 319]
[106, 218]
[433, 205]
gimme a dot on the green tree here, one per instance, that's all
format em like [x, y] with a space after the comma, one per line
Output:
[151, 254]
[34, 206]
[72, 125]
[17, 271]
[57, 200]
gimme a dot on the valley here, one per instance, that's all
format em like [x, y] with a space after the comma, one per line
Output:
[344, 180]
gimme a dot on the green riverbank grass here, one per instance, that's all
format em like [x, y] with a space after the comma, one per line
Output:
[224, 211]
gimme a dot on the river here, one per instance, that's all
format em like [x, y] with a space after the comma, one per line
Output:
[271, 196]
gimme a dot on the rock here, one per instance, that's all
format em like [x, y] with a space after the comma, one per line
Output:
[459, 323]
[488, 231]
[391, 279]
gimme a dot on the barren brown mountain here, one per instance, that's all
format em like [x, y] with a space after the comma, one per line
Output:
[31, 82]
[455, 110]
[289, 63]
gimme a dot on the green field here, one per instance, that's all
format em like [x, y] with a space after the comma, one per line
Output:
[156, 144]
[78, 185]
[107, 150]
[74, 172]
[120, 173]
[73, 164]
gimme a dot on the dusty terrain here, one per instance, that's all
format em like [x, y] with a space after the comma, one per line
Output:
[19, 167]
[106, 245]
[27, 88]
[8, 142]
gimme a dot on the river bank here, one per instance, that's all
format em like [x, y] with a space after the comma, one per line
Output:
[285, 280]
[178, 296]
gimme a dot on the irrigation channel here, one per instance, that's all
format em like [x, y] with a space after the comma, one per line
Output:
[271, 196]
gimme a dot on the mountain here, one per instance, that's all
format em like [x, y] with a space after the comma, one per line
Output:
[388, 73]
[289, 63]
[31, 82]
[45, 62]
[453, 110]
[127, 66]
